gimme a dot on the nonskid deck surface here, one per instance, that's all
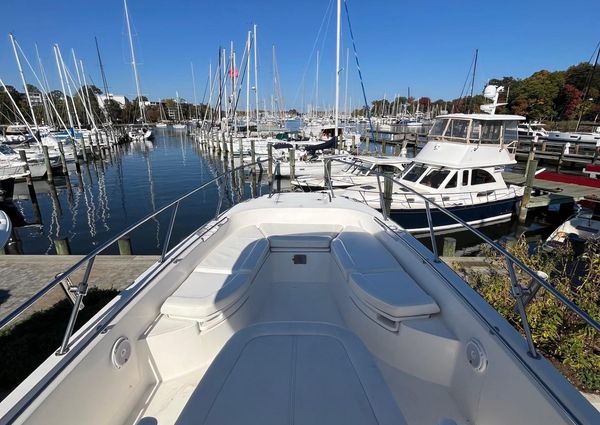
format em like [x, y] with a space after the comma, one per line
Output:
[294, 305]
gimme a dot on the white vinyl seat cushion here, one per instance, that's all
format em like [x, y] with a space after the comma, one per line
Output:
[292, 372]
[393, 293]
[357, 250]
[241, 251]
[204, 294]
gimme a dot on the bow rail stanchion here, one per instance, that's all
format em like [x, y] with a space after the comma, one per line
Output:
[169, 232]
[82, 289]
[431, 231]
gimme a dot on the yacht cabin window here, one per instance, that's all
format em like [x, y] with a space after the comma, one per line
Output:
[414, 172]
[511, 131]
[434, 178]
[438, 127]
[453, 181]
[479, 176]
[491, 131]
[465, 178]
[458, 129]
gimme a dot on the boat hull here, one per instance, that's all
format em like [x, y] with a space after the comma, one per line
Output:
[415, 220]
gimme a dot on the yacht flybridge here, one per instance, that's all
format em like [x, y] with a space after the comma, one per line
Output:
[296, 307]
[459, 168]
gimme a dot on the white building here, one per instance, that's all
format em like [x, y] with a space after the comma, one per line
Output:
[121, 100]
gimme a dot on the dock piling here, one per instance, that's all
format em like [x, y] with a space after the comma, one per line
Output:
[531, 168]
[449, 249]
[62, 246]
[292, 160]
[49, 174]
[124, 246]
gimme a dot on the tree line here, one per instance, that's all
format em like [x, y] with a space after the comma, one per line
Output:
[52, 113]
[543, 96]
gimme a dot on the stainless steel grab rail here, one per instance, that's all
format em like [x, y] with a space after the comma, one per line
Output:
[517, 290]
[82, 288]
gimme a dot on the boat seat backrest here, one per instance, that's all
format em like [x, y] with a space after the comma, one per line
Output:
[356, 250]
[299, 243]
[243, 250]
[219, 284]
[378, 284]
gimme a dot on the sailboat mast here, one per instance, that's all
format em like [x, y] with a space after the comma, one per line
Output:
[337, 70]
[248, 86]
[12, 40]
[473, 80]
[46, 90]
[587, 86]
[317, 89]
[194, 86]
[67, 78]
[134, 65]
[62, 84]
[256, 77]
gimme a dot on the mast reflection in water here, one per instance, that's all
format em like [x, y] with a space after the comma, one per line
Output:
[113, 193]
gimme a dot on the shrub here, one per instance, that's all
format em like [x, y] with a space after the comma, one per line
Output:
[557, 332]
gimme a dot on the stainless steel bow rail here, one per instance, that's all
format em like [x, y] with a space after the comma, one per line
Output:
[80, 291]
[521, 294]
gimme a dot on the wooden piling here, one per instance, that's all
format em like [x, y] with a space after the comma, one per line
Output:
[231, 151]
[63, 161]
[83, 148]
[292, 160]
[253, 156]
[124, 246]
[449, 249]
[49, 173]
[270, 162]
[62, 246]
[531, 168]
[31, 189]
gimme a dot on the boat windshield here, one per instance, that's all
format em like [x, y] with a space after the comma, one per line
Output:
[414, 172]
[438, 127]
[434, 178]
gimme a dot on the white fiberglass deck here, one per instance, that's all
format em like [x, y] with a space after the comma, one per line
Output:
[300, 309]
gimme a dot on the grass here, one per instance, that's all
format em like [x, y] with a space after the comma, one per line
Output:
[24, 346]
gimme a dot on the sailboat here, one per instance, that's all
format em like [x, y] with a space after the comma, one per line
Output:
[161, 123]
[180, 125]
[144, 132]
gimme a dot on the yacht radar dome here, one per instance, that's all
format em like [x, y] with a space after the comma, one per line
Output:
[492, 92]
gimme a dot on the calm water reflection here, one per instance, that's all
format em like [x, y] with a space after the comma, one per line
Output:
[113, 194]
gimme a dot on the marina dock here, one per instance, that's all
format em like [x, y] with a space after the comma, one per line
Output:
[23, 275]
[551, 192]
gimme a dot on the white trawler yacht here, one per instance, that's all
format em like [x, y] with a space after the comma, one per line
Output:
[459, 168]
[303, 308]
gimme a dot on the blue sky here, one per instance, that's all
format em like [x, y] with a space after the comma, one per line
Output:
[425, 45]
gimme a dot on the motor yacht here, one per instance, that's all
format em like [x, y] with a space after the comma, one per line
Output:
[459, 168]
[357, 170]
[529, 130]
